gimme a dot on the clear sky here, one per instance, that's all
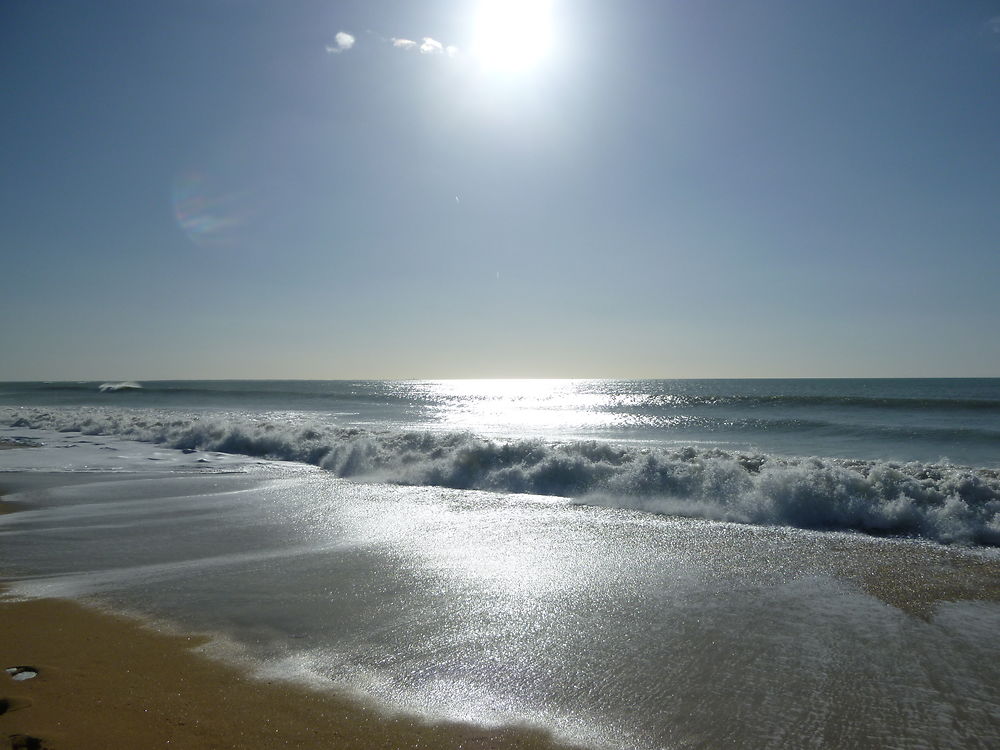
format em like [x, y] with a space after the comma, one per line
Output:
[282, 188]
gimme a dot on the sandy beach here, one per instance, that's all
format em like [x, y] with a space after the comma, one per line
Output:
[105, 681]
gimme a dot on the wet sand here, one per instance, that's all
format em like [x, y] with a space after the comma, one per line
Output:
[8, 506]
[6, 445]
[105, 681]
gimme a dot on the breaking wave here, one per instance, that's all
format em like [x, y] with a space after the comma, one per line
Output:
[123, 386]
[941, 502]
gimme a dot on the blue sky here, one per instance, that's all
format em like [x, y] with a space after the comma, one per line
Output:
[250, 188]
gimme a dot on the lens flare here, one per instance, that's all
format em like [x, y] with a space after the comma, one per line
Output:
[209, 215]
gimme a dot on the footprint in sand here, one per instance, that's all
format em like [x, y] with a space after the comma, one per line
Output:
[13, 704]
[20, 741]
[21, 673]
[25, 742]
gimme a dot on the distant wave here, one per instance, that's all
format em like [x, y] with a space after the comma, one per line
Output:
[940, 502]
[218, 389]
[123, 386]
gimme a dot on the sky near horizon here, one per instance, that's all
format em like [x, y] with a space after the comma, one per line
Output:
[529, 188]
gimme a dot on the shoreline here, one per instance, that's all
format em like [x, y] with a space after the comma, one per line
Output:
[108, 681]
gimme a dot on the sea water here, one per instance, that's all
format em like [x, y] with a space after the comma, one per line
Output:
[627, 563]
[906, 457]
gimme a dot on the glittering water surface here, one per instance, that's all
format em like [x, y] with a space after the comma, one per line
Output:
[898, 419]
[902, 457]
[612, 627]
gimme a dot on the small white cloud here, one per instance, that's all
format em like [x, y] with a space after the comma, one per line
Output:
[431, 46]
[994, 24]
[426, 46]
[342, 42]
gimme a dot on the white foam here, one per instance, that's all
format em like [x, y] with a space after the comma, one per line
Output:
[48, 450]
[936, 501]
[123, 386]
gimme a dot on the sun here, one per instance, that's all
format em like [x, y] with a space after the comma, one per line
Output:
[512, 35]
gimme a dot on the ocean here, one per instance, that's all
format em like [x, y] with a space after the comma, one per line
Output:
[627, 563]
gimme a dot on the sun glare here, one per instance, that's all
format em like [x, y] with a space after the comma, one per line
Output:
[512, 35]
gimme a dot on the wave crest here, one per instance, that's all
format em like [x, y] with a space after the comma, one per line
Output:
[127, 385]
[940, 502]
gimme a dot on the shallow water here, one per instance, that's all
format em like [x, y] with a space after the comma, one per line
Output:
[612, 627]
[808, 454]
